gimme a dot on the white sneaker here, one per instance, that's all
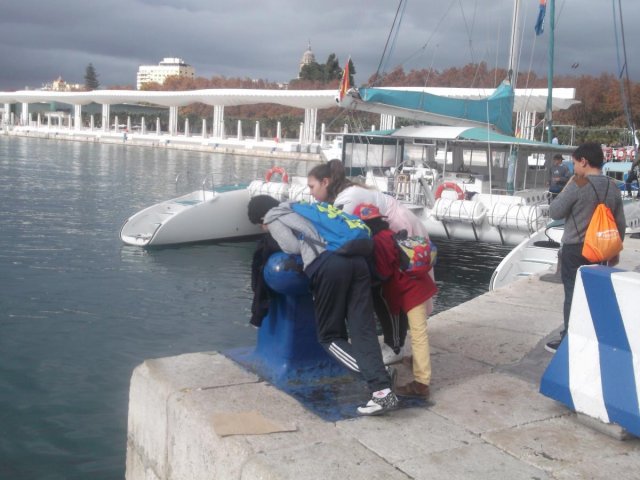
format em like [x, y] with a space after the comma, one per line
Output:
[379, 404]
[389, 356]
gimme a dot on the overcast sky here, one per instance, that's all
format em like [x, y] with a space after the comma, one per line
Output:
[41, 40]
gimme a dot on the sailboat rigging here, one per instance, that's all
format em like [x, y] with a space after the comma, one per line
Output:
[623, 70]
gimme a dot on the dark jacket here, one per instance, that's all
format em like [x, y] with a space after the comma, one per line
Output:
[261, 292]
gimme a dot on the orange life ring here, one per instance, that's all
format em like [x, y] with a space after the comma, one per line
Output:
[621, 154]
[449, 186]
[283, 174]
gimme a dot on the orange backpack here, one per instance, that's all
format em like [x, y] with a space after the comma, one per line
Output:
[602, 241]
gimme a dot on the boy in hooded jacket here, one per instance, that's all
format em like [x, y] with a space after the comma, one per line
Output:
[341, 288]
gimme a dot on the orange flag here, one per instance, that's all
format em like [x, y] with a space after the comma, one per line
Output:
[344, 83]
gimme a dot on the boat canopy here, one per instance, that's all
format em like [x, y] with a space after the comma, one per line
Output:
[496, 109]
[471, 134]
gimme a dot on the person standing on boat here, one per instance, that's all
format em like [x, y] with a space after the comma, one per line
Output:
[404, 292]
[634, 174]
[328, 183]
[341, 288]
[576, 204]
[558, 176]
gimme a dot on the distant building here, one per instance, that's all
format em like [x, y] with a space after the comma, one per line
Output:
[166, 68]
[59, 85]
[307, 58]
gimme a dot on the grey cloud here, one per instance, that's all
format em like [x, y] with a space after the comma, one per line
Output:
[266, 39]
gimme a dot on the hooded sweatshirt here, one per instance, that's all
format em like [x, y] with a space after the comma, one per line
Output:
[288, 229]
[577, 202]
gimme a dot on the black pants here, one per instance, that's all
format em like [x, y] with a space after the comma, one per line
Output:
[341, 290]
[394, 327]
[630, 178]
[571, 260]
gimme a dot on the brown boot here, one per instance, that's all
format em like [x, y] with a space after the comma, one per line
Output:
[413, 389]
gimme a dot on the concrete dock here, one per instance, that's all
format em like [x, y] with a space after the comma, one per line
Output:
[268, 148]
[200, 415]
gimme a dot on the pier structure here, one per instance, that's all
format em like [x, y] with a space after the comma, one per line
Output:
[308, 100]
[526, 103]
[202, 415]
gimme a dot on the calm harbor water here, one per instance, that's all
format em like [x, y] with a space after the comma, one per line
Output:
[79, 310]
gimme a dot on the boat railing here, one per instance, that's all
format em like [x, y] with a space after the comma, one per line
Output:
[207, 177]
[412, 184]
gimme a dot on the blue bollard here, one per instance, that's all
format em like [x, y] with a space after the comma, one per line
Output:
[595, 369]
[287, 350]
[287, 344]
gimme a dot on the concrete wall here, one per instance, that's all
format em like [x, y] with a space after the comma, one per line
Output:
[171, 433]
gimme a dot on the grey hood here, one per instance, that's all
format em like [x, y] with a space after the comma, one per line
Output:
[288, 229]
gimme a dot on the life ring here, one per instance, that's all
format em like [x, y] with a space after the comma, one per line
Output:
[449, 186]
[608, 153]
[283, 174]
[621, 154]
[631, 154]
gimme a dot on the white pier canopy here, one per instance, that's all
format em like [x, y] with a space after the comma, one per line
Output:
[526, 102]
[225, 97]
[218, 98]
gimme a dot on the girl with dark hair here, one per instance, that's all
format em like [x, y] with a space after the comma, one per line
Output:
[328, 183]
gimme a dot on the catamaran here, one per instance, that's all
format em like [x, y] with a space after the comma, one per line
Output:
[465, 178]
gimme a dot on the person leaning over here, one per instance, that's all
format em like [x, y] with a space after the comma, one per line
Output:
[341, 288]
[558, 176]
[404, 291]
[575, 204]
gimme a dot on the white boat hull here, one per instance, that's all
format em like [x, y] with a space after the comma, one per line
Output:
[534, 255]
[211, 216]
[196, 217]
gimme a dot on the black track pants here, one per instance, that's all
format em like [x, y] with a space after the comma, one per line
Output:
[394, 327]
[341, 290]
[571, 260]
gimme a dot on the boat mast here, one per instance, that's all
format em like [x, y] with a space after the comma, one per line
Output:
[624, 69]
[548, 113]
[512, 72]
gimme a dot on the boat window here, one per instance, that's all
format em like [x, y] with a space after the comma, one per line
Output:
[442, 154]
[372, 152]
[499, 158]
[474, 158]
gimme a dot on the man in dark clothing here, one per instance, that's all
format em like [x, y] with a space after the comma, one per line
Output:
[558, 176]
[575, 204]
[341, 288]
[634, 174]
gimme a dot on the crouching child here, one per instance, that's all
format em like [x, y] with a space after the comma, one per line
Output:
[406, 291]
